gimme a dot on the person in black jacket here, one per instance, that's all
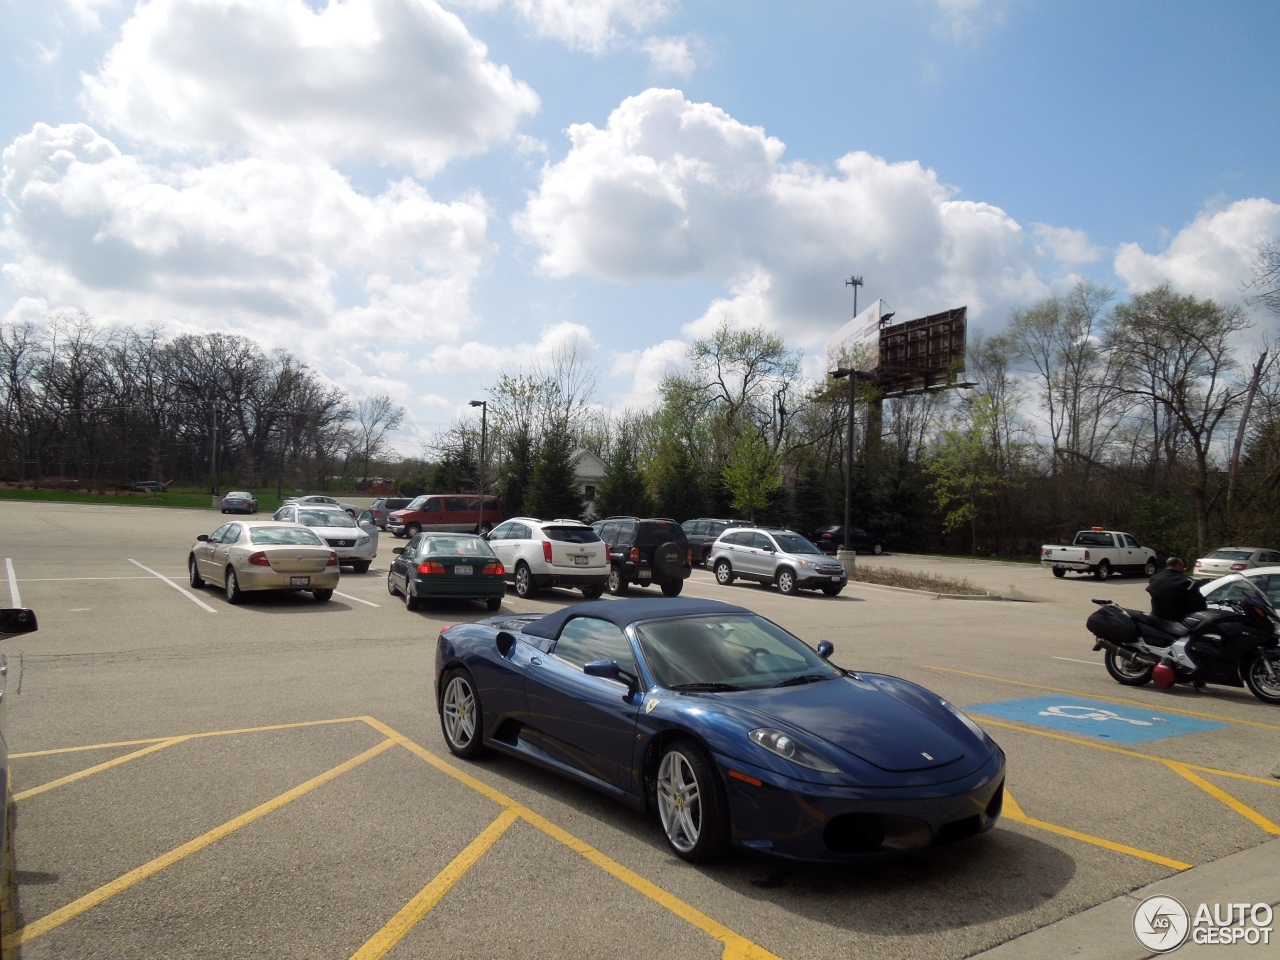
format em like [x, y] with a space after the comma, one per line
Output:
[1174, 595]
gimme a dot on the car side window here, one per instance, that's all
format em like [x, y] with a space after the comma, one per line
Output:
[1271, 587]
[584, 639]
[233, 533]
[609, 531]
[761, 541]
[626, 531]
[700, 529]
[715, 529]
[432, 505]
[458, 504]
[500, 532]
[411, 549]
[216, 536]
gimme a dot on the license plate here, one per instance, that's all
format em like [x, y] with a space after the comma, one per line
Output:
[835, 578]
[343, 554]
[464, 570]
[299, 581]
[644, 574]
[582, 561]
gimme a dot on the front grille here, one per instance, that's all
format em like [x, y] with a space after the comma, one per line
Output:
[958, 830]
[831, 570]
[340, 543]
[853, 833]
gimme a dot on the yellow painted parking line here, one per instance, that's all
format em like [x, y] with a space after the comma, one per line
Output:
[1096, 696]
[1219, 794]
[72, 910]
[1014, 812]
[987, 721]
[413, 911]
[90, 771]
[187, 736]
[736, 946]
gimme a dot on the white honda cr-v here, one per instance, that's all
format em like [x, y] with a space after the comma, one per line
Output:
[551, 553]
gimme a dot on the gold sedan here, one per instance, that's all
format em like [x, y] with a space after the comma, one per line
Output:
[250, 555]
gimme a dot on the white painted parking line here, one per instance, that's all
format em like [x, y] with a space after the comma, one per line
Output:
[14, 595]
[1092, 663]
[182, 590]
[65, 579]
[348, 596]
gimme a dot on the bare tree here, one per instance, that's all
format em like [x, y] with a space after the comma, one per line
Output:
[375, 417]
[1266, 276]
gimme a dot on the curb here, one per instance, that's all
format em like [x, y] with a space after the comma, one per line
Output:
[1105, 931]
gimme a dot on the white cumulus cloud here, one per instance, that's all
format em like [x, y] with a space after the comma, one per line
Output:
[475, 355]
[646, 368]
[1210, 257]
[593, 26]
[399, 81]
[1069, 247]
[670, 189]
[255, 244]
[674, 55]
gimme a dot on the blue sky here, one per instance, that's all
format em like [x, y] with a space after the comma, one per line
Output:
[391, 189]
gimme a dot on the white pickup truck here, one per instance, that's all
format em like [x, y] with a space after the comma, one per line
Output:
[1100, 552]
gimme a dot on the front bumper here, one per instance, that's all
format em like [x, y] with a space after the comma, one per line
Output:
[361, 554]
[799, 820]
[253, 578]
[811, 580]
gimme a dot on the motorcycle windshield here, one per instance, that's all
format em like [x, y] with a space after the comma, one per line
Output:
[1245, 589]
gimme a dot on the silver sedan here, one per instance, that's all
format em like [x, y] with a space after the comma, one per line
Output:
[251, 555]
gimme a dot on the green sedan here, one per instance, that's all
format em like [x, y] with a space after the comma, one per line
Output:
[447, 566]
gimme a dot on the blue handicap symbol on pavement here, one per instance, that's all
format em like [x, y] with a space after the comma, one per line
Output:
[1095, 718]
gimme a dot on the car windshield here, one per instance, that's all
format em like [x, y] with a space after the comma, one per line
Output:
[416, 503]
[284, 536]
[571, 534]
[735, 651]
[468, 546]
[325, 518]
[238, 495]
[790, 543]
[1230, 555]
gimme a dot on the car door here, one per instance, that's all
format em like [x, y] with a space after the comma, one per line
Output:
[1133, 555]
[766, 555]
[498, 542]
[586, 722]
[221, 551]
[405, 562]
[204, 551]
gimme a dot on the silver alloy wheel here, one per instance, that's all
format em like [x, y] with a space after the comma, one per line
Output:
[679, 805]
[724, 573]
[877, 549]
[523, 583]
[459, 713]
[786, 581]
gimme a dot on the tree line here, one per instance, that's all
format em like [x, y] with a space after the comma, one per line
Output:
[97, 405]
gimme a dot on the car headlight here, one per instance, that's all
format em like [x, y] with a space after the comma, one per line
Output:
[963, 717]
[785, 746]
[362, 541]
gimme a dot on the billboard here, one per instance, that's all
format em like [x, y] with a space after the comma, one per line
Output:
[858, 338]
[922, 354]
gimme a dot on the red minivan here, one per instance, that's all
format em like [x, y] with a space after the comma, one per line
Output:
[446, 512]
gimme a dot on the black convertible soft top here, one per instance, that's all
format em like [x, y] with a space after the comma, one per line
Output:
[626, 612]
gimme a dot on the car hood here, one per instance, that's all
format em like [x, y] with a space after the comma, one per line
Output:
[878, 722]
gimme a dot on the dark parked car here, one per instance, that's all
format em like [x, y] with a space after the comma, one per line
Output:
[703, 532]
[733, 729]
[13, 620]
[383, 506]
[151, 486]
[830, 538]
[453, 566]
[239, 501]
[642, 552]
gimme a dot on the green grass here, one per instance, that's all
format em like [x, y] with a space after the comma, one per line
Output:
[267, 502]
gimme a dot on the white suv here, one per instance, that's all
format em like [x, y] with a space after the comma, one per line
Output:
[551, 553]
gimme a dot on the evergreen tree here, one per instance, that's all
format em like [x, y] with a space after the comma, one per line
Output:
[811, 510]
[779, 509]
[679, 485]
[622, 492]
[513, 486]
[553, 489]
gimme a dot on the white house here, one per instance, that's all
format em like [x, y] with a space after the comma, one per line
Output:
[590, 470]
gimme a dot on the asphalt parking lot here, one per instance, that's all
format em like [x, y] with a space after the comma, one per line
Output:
[195, 779]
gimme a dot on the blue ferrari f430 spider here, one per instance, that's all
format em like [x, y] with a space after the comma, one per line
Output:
[735, 730]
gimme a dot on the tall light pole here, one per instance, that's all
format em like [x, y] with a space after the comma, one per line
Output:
[484, 435]
[854, 376]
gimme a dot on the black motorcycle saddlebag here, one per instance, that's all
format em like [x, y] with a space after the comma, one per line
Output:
[1112, 623]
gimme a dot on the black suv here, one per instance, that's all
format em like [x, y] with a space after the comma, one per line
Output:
[830, 538]
[384, 506]
[644, 552]
[703, 532]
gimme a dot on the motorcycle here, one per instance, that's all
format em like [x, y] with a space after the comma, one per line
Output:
[1234, 643]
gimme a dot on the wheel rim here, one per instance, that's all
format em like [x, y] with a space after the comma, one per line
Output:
[1258, 673]
[1129, 669]
[613, 581]
[191, 569]
[391, 586]
[232, 587]
[679, 804]
[522, 581]
[786, 582]
[459, 712]
[722, 573]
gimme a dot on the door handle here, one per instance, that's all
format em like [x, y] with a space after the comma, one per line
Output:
[535, 661]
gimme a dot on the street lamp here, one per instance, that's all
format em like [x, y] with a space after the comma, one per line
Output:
[484, 432]
[853, 375]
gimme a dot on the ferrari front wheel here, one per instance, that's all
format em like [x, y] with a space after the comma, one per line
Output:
[691, 806]
[461, 717]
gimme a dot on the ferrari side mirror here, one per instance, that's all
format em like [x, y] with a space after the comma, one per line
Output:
[609, 670]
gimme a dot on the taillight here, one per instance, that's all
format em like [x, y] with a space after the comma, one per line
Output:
[634, 556]
[1199, 564]
[1239, 566]
[546, 550]
[430, 566]
[1086, 554]
[495, 569]
[333, 559]
[259, 559]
